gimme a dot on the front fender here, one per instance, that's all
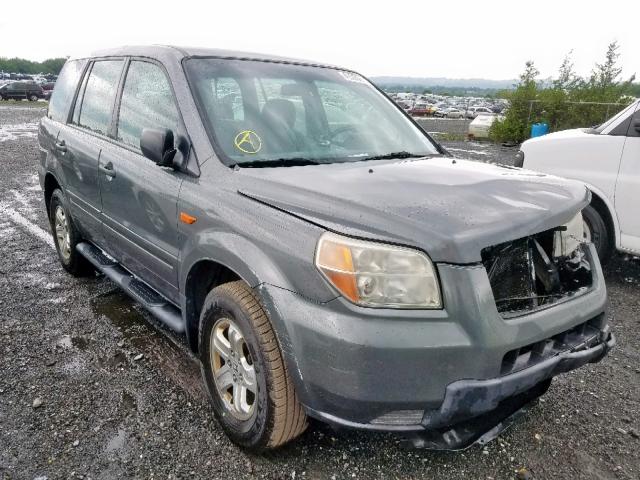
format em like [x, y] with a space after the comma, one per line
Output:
[235, 252]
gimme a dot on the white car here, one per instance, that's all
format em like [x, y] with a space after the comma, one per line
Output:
[607, 159]
[473, 112]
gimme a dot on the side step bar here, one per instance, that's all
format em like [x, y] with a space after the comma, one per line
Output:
[149, 298]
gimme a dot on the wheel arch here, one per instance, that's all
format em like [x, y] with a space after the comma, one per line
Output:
[601, 203]
[213, 262]
[50, 185]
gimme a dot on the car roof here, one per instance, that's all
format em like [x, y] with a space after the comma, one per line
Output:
[168, 52]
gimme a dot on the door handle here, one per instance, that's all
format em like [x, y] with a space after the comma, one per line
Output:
[108, 170]
[61, 146]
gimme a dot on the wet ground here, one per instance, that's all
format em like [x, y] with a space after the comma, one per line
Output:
[91, 387]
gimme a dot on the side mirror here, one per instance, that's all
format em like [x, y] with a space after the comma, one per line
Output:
[157, 145]
[636, 125]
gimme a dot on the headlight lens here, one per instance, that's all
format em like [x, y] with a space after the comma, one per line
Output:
[377, 275]
[568, 240]
[519, 161]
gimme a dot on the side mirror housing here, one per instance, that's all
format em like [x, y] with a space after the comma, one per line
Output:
[636, 125]
[158, 146]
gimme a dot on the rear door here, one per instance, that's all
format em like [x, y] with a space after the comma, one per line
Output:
[627, 195]
[51, 157]
[83, 138]
[139, 198]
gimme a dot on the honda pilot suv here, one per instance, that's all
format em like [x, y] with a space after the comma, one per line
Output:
[323, 256]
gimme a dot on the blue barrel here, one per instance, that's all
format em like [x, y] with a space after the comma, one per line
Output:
[539, 129]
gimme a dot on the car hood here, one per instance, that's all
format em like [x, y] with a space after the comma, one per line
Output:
[449, 208]
[562, 134]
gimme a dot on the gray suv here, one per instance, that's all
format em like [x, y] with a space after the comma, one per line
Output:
[322, 254]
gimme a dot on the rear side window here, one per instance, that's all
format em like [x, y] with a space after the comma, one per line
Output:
[99, 96]
[65, 88]
[147, 102]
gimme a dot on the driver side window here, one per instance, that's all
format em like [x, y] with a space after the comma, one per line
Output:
[147, 102]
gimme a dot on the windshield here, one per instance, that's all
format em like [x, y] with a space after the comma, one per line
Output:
[273, 114]
[627, 111]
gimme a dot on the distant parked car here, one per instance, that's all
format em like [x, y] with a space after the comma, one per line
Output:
[48, 89]
[21, 90]
[479, 127]
[453, 113]
[420, 109]
[473, 112]
[606, 158]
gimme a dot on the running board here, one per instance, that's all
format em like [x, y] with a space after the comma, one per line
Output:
[142, 293]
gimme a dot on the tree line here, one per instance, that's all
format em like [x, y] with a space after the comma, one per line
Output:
[21, 65]
[569, 101]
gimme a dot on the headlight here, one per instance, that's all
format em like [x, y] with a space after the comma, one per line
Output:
[567, 240]
[377, 275]
[519, 161]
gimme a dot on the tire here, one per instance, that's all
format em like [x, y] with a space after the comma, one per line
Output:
[33, 98]
[597, 232]
[70, 259]
[273, 415]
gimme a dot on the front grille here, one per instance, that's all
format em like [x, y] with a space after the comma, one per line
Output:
[584, 335]
[532, 273]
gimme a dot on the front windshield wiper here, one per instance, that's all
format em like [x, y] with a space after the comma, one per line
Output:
[277, 162]
[392, 155]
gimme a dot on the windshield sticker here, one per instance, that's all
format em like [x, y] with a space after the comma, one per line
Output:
[248, 141]
[352, 77]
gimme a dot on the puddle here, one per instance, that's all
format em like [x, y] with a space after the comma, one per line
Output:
[129, 402]
[81, 343]
[116, 442]
[162, 349]
[18, 131]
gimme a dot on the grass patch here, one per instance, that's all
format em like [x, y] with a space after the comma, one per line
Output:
[23, 103]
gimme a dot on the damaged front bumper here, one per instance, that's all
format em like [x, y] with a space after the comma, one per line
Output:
[478, 410]
[468, 403]
[444, 377]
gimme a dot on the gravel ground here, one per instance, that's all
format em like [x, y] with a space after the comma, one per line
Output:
[91, 387]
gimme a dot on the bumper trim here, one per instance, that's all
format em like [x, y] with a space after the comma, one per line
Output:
[465, 399]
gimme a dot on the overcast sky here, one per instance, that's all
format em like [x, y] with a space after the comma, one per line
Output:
[457, 39]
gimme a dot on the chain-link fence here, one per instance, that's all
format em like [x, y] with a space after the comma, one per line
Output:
[564, 115]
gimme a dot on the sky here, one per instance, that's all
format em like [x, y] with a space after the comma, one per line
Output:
[457, 39]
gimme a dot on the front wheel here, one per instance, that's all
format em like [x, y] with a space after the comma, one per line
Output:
[252, 394]
[33, 98]
[596, 231]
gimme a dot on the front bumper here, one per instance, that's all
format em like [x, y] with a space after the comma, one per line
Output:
[411, 371]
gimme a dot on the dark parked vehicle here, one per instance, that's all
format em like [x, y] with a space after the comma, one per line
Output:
[322, 254]
[47, 89]
[21, 91]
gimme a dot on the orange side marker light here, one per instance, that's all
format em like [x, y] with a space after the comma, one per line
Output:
[186, 218]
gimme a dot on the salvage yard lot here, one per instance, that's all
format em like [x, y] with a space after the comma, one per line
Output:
[91, 387]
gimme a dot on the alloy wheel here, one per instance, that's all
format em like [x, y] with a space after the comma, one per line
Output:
[233, 369]
[61, 226]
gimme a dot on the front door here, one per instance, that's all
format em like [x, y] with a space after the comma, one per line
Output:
[627, 196]
[139, 198]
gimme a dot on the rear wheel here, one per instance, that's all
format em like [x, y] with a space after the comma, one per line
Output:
[596, 231]
[33, 98]
[247, 380]
[66, 237]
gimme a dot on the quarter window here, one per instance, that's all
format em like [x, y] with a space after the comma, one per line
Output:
[147, 102]
[99, 96]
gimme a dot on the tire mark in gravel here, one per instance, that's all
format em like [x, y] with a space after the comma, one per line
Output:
[18, 219]
[164, 349]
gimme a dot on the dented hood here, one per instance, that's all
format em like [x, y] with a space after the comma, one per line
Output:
[451, 209]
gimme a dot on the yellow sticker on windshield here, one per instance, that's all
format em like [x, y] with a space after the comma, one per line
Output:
[248, 141]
